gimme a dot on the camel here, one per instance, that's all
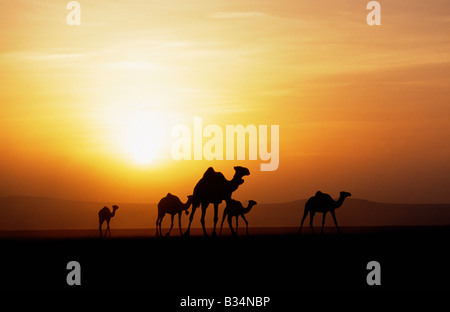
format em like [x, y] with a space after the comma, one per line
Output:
[235, 208]
[172, 205]
[322, 203]
[213, 188]
[105, 215]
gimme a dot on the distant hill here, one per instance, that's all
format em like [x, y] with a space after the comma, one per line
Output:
[36, 213]
[356, 212]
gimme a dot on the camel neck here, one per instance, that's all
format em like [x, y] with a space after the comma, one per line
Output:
[187, 204]
[235, 182]
[235, 178]
[340, 201]
[249, 207]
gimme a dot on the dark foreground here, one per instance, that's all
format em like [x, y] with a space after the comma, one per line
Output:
[169, 269]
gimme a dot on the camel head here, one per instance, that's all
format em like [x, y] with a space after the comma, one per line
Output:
[115, 207]
[345, 194]
[240, 172]
[251, 203]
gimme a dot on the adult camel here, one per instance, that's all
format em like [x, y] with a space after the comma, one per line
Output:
[322, 203]
[213, 188]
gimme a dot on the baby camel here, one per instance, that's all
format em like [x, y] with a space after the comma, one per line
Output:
[235, 208]
[105, 215]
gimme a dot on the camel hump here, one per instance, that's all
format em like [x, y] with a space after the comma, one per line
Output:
[170, 198]
[232, 202]
[102, 210]
[168, 202]
[213, 177]
[322, 196]
[209, 172]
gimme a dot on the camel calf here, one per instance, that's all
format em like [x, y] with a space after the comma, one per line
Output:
[235, 208]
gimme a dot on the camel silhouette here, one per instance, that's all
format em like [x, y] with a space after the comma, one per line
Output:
[172, 205]
[213, 188]
[322, 203]
[105, 215]
[235, 208]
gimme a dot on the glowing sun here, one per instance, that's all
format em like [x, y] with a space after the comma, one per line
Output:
[145, 136]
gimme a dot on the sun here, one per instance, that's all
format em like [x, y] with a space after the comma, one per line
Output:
[145, 136]
[143, 152]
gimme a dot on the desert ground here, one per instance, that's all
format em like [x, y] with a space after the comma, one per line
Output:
[270, 260]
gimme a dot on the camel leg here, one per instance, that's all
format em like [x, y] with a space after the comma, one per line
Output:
[202, 219]
[160, 222]
[305, 214]
[108, 230]
[171, 224]
[323, 222]
[100, 228]
[179, 222]
[158, 225]
[335, 222]
[223, 219]
[311, 217]
[237, 218]
[216, 218]
[229, 219]
[157, 221]
[246, 224]
[191, 217]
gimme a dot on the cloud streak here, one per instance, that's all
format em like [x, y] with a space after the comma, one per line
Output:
[233, 15]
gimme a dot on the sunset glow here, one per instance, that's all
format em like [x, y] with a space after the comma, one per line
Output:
[87, 111]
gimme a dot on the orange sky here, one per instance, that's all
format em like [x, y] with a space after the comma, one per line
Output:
[360, 108]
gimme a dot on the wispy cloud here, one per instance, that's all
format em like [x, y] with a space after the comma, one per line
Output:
[59, 56]
[134, 65]
[36, 56]
[237, 14]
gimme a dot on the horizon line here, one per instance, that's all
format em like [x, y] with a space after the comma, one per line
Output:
[155, 203]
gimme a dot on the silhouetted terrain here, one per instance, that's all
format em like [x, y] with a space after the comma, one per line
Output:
[273, 260]
[168, 268]
[33, 213]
